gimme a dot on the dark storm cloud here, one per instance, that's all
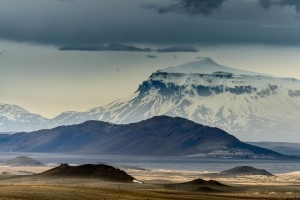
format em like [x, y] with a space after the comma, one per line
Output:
[178, 49]
[121, 47]
[189, 7]
[281, 3]
[151, 56]
[83, 48]
[265, 3]
[110, 47]
[84, 23]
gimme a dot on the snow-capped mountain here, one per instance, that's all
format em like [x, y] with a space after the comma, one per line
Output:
[251, 106]
[248, 105]
[14, 118]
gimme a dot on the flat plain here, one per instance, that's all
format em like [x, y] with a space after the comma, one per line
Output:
[17, 183]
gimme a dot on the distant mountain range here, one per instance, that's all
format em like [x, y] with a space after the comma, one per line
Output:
[158, 136]
[251, 106]
[13, 118]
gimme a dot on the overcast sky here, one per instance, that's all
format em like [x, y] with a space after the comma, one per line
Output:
[60, 55]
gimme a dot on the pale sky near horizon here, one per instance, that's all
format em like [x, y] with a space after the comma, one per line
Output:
[36, 75]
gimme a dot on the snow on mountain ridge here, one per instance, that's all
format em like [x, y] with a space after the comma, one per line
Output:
[217, 78]
[6, 108]
[15, 118]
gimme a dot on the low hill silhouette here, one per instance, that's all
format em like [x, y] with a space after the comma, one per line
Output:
[158, 136]
[246, 170]
[200, 185]
[22, 161]
[99, 171]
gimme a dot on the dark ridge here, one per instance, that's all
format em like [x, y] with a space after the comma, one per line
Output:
[246, 170]
[158, 136]
[22, 161]
[204, 182]
[101, 171]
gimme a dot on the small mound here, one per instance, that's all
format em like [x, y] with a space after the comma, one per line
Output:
[200, 185]
[22, 161]
[246, 170]
[99, 171]
[201, 182]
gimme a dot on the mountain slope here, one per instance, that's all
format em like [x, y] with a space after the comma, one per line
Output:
[14, 118]
[250, 107]
[158, 136]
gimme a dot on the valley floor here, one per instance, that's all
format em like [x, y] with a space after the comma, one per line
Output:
[14, 185]
[47, 192]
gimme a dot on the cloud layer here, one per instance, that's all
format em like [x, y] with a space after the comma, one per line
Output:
[178, 49]
[281, 3]
[80, 25]
[110, 47]
[122, 47]
[191, 7]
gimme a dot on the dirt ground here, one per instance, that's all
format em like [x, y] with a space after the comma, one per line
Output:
[43, 192]
[17, 183]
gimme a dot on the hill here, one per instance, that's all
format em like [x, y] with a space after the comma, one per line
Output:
[246, 170]
[200, 185]
[22, 161]
[158, 136]
[100, 171]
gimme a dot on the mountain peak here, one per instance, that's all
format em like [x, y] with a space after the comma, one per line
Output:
[15, 118]
[206, 65]
[12, 108]
[206, 60]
